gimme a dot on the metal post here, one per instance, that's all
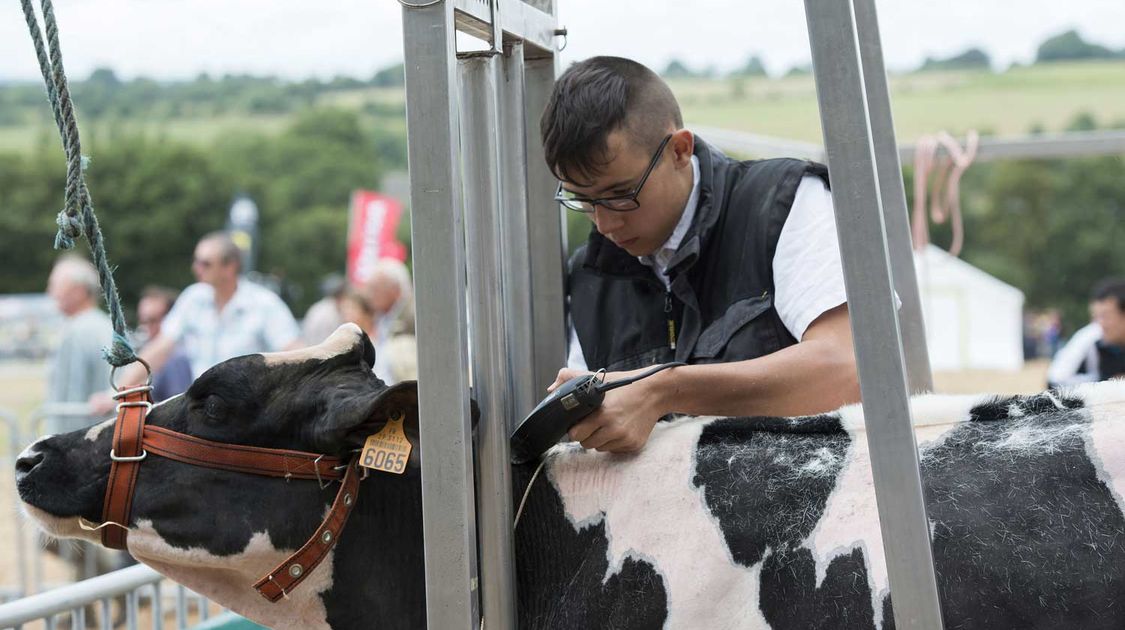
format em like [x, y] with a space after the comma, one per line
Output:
[481, 123]
[895, 214]
[863, 244]
[547, 234]
[448, 502]
[514, 248]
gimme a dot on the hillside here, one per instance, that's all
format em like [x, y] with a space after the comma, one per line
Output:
[1046, 97]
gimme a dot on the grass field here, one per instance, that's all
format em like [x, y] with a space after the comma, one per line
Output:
[1047, 97]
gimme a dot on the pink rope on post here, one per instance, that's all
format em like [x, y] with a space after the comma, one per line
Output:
[945, 200]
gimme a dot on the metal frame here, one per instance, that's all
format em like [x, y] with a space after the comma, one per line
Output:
[477, 177]
[859, 137]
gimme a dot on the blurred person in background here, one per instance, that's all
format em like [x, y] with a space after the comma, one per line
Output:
[77, 368]
[325, 316]
[1096, 352]
[390, 293]
[175, 377]
[356, 309]
[219, 317]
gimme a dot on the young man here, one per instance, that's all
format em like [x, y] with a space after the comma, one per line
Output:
[1096, 352]
[732, 267]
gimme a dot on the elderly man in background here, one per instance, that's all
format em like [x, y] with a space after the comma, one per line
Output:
[219, 317]
[77, 368]
[390, 293]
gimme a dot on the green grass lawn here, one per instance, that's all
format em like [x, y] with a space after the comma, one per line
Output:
[1012, 103]
[1047, 97]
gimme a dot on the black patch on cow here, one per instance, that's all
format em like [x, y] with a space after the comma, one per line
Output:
[767, 481]
[560, 571]
[1001, 408]
[1024, 537]
[790, 601]
[750, 472]
[380, 559]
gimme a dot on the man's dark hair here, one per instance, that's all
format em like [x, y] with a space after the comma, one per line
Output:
[1110, 288]
[164, 294]
[596, 97]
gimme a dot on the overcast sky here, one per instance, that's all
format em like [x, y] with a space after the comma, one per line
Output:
[176, 39]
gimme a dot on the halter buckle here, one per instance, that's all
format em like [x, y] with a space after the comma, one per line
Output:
[120, 458]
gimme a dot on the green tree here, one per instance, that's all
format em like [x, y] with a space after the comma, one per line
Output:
[1070, 46]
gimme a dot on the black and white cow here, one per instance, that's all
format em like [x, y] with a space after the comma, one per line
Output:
[718, 523]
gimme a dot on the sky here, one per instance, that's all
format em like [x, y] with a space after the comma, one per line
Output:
[178, 39]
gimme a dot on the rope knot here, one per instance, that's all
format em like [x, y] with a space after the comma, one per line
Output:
[70, 228]
[120, 353]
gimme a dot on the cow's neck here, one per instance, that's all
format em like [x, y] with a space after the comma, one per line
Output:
[378, 568]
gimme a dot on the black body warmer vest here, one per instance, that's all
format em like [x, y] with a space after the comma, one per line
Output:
[720, 307]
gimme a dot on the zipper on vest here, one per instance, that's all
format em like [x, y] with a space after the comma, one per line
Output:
[671, 322]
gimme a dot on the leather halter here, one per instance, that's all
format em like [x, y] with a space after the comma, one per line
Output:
[134, 441]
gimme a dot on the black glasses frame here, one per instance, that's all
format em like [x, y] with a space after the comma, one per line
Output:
[618, 203]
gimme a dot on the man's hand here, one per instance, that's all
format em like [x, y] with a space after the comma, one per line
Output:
[625, 419]
[101, 403]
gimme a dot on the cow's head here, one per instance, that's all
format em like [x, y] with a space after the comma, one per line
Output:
[214, 530]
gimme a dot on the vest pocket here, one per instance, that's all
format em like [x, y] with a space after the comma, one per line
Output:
[716, 337]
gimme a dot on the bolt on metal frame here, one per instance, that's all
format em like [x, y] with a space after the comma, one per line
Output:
[481, 202]
[871, 222]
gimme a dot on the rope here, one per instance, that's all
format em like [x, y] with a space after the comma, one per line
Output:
[77, 217]
[945, 194]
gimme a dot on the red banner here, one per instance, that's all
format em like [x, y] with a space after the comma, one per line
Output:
[372, 225]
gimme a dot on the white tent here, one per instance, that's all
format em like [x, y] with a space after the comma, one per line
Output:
[973, 320]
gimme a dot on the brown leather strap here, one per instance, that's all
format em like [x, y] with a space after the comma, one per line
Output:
[271, 462]
[286, 576]
[127, 453]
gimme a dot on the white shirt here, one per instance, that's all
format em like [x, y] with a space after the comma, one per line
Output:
[254, 320]
[808, 276]
[1080, 348]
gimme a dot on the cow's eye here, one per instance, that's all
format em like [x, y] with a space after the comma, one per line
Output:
[215, 408]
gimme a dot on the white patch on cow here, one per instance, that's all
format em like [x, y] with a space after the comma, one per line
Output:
[679, 537]
[1105, 441]
[343, 340]
[95, 431]
[851, 515]
[58, 527]
[229, 580]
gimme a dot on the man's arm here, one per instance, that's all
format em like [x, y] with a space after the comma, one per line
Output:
[816, 375]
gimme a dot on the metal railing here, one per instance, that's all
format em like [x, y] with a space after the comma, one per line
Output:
[73, 602]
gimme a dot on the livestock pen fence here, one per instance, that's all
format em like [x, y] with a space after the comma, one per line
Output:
[39, 590]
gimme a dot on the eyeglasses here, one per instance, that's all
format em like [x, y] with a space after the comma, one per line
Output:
[617, 203]
[203, 263]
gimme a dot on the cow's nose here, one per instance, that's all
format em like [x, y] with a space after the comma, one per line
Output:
[28, 460]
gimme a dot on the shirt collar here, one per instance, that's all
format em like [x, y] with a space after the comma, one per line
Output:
[659, 259]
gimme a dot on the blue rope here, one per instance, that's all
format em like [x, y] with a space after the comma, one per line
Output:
[77, 216]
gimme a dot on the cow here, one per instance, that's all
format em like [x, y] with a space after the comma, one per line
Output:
[749, 522]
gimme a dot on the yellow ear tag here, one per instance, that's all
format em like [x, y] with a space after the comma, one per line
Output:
[388, 450]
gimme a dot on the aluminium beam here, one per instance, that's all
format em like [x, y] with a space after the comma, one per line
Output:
[491, 373]
[546, 233]
[448, 494]
[896, 217]
[875, 329]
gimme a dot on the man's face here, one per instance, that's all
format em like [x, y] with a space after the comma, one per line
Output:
[208, 265]
[69, 297]
[1108, 314]
[640, 232]
[150, 313]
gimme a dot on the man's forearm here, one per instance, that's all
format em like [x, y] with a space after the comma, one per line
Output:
[807, 378]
